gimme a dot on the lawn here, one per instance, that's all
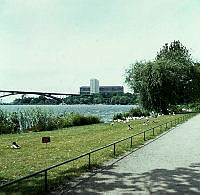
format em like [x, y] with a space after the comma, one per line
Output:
[66, 144]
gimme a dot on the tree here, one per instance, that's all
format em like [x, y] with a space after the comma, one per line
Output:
[124, 100]
[171, 79]
[138, 77]
[97, 100]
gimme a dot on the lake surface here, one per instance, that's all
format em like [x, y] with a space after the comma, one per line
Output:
[106, 112]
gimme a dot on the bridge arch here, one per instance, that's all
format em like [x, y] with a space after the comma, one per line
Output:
[46, 94]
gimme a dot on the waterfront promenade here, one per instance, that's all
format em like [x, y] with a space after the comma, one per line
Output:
[169, 164]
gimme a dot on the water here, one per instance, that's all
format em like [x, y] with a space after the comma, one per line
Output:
[106, 112]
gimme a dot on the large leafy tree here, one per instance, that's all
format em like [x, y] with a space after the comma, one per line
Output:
[171, 79]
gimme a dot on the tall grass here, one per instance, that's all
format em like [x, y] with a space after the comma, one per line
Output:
[38, 119]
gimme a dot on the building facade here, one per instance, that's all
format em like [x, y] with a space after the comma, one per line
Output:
[95, 88]
[85, 90]
[111, 89]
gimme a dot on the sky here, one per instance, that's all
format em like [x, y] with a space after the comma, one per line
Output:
[59, 45]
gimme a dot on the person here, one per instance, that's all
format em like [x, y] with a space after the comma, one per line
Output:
[15, 145]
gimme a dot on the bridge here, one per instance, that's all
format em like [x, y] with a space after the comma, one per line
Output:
[52, 95]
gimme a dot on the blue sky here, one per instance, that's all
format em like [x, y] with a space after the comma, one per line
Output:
[58, 46]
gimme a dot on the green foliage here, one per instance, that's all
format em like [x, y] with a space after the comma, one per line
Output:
[138, 112]
[195, 107]
[134, 112]
[41, 120]
[41, 100]
[118, 116]
[105, 98]
[171, 79]
[177, 108]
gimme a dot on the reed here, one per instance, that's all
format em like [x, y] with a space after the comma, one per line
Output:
[38, 119]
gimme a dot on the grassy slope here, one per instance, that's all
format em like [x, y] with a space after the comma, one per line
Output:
[65, 144]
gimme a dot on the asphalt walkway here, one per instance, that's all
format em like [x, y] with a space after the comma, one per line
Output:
[170, 164]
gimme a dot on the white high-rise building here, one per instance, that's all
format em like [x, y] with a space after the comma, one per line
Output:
[94, 86]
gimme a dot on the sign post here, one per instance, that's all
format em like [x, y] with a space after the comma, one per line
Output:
[46, 140]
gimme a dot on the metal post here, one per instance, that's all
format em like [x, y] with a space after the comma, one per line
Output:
[131, 141]
[166, 127]
[114, 149]
[89, 166]
[153, 132]
[45, 181]
[144, 136]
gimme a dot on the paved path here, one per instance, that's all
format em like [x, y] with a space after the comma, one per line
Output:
[170, 164]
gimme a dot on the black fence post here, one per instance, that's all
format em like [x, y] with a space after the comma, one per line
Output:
[144, 136]
[131, 141]
[114, 150]
[153, 132]
[89, 164]
[45, 181]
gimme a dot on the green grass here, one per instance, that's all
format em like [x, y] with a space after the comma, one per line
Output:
[66, 144]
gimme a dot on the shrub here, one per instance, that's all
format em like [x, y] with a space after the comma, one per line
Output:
[195, 106]
[118, 116]
[138, 112]
[78, 119]
[176, 108]
[93, 119]
[126, 114]
[135, 112]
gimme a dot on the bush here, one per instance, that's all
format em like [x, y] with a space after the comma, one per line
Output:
[176, 108]
[93, 119]
[138, 112]
[134, 112]
[195, 106]
[118, 116]
[78, 119]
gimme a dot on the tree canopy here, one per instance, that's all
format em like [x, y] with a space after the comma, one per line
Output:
[104, 98]
[172, 78]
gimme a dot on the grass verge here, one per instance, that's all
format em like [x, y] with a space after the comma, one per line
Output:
[66, 144]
